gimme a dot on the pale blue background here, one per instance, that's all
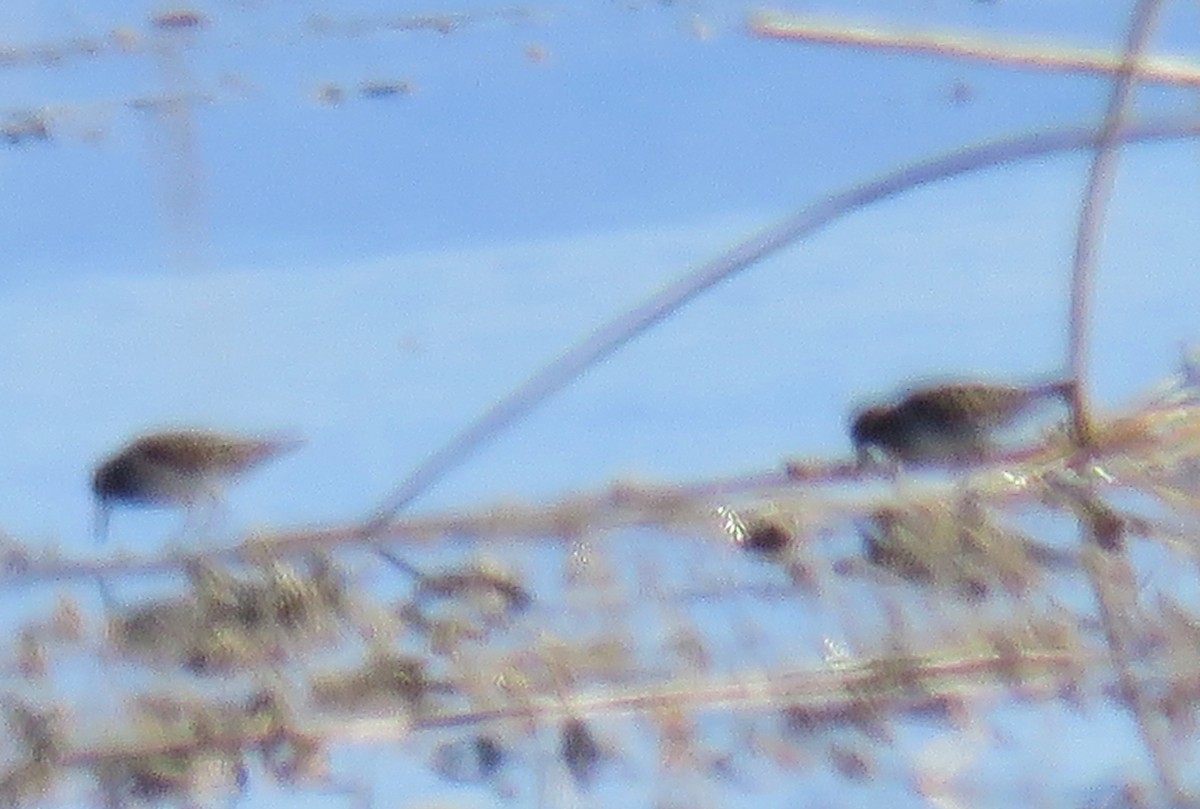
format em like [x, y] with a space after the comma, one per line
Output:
[375, 274]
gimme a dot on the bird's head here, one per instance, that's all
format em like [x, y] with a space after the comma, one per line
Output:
[870, 430]
[115, 479]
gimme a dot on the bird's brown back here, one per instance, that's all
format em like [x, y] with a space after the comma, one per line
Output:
[200, 452]
[980, 404]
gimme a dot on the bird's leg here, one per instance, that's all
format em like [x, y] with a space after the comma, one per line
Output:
[100, 532]
[188, 528]
[216, 515]
[203, 514]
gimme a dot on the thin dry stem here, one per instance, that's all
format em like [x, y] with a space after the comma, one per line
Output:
[1046, 56]
[1095, 202]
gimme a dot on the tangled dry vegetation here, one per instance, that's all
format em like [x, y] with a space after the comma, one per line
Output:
[266, 657]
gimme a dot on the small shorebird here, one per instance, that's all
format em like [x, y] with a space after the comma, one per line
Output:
[949, 423]
[179, 468]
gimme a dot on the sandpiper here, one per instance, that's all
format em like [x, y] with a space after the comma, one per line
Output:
[948, 423]
[180, 468]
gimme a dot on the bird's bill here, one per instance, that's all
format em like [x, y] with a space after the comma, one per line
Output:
[100, 522]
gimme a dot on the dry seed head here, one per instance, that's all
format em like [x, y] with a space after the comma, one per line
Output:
[466, 605]
[948, 546]
[67, 622]
[292, 758]
[290, 598]
[27, 783]
[470, 761]
[169, 776]
[31, 655]
[767, 537]
[579, 750]
[40, 732]
[153, 629]
[382, 681]
[178, 19]
[853, 763]
[223, 599]
[221, 651]
[493, 591]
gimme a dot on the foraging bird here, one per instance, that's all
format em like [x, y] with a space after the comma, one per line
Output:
[178, 468]
[950, 423]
